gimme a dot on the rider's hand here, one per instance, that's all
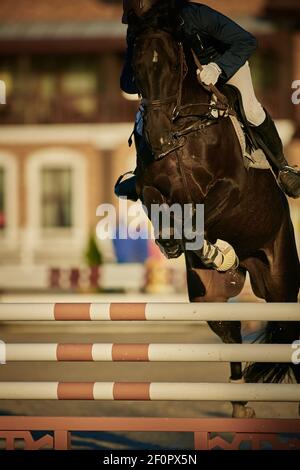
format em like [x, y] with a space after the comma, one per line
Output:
[209, 74]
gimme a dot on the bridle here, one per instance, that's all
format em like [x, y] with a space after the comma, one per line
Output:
[222, 102]
[177, 97]
[178, 138]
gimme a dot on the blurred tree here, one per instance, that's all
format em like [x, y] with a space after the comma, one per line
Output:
[93, 255]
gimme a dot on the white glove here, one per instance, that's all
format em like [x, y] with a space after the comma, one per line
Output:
[209, 74]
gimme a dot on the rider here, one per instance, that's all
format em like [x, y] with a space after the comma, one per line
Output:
[223, 48]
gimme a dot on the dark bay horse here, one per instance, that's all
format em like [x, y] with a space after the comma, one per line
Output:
[196, 160]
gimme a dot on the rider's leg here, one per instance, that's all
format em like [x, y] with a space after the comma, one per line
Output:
[264, 126]
[243, 81]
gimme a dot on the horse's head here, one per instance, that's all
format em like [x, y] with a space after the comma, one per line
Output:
[159, 68]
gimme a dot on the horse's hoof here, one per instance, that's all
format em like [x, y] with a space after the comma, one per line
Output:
[242, 411]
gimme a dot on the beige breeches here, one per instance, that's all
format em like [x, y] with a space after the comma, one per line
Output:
[243, 81]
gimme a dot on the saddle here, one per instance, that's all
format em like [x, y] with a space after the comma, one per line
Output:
[230, 96]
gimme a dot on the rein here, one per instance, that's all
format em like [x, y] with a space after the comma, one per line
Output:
[222, 98]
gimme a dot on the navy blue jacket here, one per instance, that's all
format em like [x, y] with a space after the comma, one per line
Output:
[213, 36]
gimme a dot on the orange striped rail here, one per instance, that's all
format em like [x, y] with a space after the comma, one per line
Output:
[144, 352]
[149, 311]
[170, 391]
[14, 428]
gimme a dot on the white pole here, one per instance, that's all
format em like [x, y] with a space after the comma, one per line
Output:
[159, 352]
[150, 391]
[151, 312]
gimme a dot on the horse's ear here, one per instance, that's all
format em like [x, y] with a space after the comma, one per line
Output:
[138, 7]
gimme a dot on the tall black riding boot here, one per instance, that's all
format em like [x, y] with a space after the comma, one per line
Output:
[288, 177]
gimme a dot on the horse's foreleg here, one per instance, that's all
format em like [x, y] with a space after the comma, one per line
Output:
[220, 256]
[240, 410]
[230, 332]
[211, 286]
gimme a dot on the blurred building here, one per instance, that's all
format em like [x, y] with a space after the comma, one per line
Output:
[65, 124]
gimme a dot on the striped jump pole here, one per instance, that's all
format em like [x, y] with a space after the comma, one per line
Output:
[149, 391]
[149, 311]
[146, 352]
[158, 352]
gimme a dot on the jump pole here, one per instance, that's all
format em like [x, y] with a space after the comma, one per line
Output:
[149, 311]
[149, 391]
[142, 352]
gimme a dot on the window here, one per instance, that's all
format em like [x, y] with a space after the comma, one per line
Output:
[8, 201]
[56, 189]
[64, 88]
[80, 87]
[67, 88]
[2, 199]
[56, 203]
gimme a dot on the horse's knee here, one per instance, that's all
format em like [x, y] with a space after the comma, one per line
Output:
[213, 286]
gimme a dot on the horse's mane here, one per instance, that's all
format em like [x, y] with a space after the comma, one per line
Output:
[164, 15]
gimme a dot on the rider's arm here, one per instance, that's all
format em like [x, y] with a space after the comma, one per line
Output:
[127, 81]
[241, 44]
